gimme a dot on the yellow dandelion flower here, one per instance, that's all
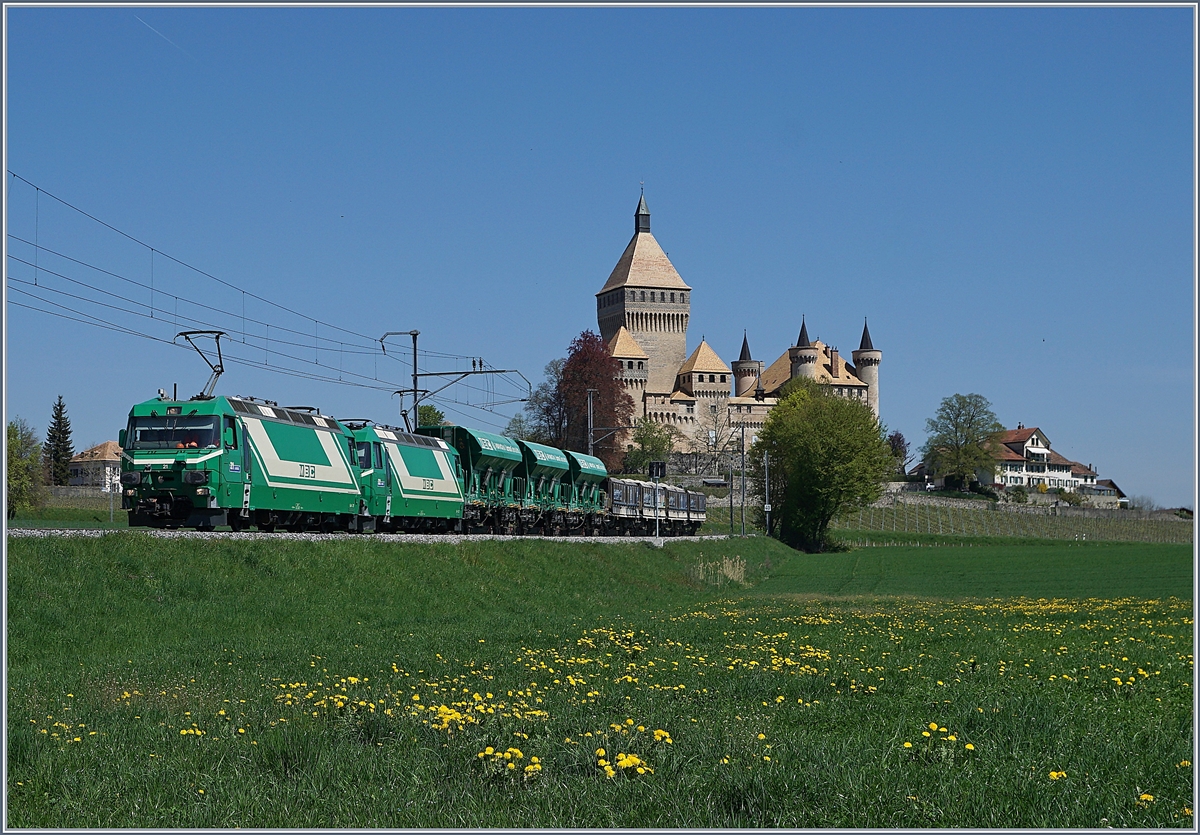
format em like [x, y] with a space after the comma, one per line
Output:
[1149, 798]
[908, 745]
[969, 747]
[762, 736]
[599, 752]
[924, 733]
[933, 726]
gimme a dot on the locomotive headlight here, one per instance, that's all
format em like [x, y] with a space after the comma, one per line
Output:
[131, 478]
[203, 491]
[195, 477]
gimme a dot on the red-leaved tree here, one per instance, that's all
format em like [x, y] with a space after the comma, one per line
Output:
[590, 366]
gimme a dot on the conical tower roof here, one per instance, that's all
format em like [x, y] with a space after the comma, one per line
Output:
[643, 263]
[704, 359]
[623, 345]
[745, 355]
[802, 339]
[866, 345]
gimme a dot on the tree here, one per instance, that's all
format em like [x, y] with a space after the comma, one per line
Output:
[589, 365]
[652, 441]
[545, 420]
[23, 467]
[962, 438]
[827, 455]
[58, 450]
[717, 436]
[1143, 503]
[518, 428]
[899, 446]
[430, 416]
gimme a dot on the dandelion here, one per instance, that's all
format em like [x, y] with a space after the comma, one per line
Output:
[908, 745]
[1149, 798]
[1055, 775]
[932, 726]
[969, 747]
[762, 736]
[925, 733]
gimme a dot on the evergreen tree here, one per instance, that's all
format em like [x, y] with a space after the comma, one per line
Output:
[58, 450]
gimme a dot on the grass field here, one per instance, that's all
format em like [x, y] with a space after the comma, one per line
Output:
[178, 683]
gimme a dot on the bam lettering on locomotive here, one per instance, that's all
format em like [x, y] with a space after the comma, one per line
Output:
[243, 462]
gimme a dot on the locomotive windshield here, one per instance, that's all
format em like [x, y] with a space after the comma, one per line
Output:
[173, 432]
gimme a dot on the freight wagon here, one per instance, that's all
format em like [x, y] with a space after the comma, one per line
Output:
[242, 462]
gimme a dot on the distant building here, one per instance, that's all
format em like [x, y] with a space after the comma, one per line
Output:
[1024, 459]
[643, 311]
[99, 466]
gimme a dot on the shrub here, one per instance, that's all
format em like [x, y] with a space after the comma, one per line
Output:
[1019, 495]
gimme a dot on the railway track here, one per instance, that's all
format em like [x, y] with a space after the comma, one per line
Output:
[399, 538]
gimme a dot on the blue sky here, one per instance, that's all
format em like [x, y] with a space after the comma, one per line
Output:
[1006, 195]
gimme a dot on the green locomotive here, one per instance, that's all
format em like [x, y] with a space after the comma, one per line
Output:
[244, 462]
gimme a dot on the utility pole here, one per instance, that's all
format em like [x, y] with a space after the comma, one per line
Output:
[590, 393]
[743, 479]
[767, 489]
[730, 494]
[458, 376]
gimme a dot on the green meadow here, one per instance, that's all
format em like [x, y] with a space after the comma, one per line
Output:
[721, 683]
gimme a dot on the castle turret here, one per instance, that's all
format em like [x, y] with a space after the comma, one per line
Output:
[645, 295]
[866, 365]
[746, 371]
[803, 355]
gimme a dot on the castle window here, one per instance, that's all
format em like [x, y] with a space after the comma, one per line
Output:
[643, 295]
[631, 365]
[722, 378]
[713, 408]
[691, 408]
[639, 365]
[712, 378]
[672, 297]
[662, 297]
[683, 297]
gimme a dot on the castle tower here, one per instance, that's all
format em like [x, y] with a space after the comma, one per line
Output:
[866, 364]
[746, 371]
[803, 355]
[645, 295]
[633, 360]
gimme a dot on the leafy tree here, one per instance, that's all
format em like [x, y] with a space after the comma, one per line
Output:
[962, 438]
[23, 467]
[899, 446]
[429, 415]
[652, 441]
[827, 455]
[589, 365]
[58, 450]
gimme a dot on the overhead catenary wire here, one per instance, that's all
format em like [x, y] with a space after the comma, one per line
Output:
[270, 344]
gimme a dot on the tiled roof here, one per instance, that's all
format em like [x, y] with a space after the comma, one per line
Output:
[623, 345]
[780, 371]
[1055, 458]
[1018, 436]
[704, 359]
[107, 451]
[1079, 469]
[644, 264]
[1108, 482]
[1007, 453]
[744, 356]
[678, 396]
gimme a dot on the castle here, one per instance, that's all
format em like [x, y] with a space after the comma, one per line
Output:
[643, 312]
